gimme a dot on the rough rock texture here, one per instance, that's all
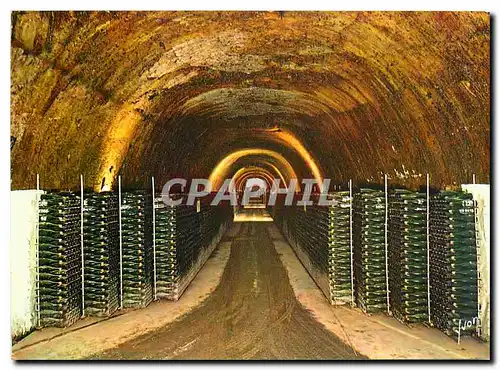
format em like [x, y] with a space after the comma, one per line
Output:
[343, 94]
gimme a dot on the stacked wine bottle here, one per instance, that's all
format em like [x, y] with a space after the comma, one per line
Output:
[60, 264]
[101, 254]
[308, 231]
[210, 220]
[280, 213]
[340, 248]
[453, 257]
[188, 237]
[322, 234]
[310, 228]
[182, 234]
[137, 248]
[370, 284]
[407, 252]
[166, 251]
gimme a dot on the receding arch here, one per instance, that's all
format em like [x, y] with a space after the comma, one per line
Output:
[239, 182]
[265, 169]
[223, 167]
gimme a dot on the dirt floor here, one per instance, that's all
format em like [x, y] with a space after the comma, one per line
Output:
[253, 314]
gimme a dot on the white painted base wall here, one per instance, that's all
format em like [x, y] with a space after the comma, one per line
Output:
[481, 194]
[22, 251]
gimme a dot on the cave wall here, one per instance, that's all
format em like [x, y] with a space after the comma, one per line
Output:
[173, 93]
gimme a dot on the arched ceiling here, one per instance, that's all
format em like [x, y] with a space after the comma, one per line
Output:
[338, 94]
[265, 169]
[227, 167]
[240, 178]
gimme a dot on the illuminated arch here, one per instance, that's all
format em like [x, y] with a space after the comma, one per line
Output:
[270, 173]
[242, 175]
[223, 168]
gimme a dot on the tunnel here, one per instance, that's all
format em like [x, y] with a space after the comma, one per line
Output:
[102, 102]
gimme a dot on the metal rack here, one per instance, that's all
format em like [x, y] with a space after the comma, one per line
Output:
[59, 260]
[101, 254]
[370, 267]
[453, 263]
[137, 249]
[408, 255]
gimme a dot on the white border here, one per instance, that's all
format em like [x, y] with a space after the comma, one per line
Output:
[477, 5]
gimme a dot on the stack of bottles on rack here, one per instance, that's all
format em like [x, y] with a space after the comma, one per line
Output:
[320, 236]
[137, 248]
[184, 239]
[59, 259]
[339, 235]
[166, 251]
[407, 250]
[309, 228]
[187, 238]
[101, 252]
[370, 284]
[210, 220]
[453, 257]
[198, 230]
[279, 212]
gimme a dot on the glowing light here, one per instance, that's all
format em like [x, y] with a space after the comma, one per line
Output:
[222, 168]
[243, 180]
[115, 146]
[239, 183]
[281, 135]
[304, 153]
[267, 164]
[245, 172]
[253, 214]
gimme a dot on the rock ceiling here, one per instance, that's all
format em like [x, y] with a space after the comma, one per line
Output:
[340, 94]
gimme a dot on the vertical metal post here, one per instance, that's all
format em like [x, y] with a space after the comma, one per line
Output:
[473, 178]
[478, 259]
[386, 223]
[121, 237]
[37, 249]
[459, 330]
[350, 241]
[478, 272]
[81, 245]
[154, 237]
[428, 253]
